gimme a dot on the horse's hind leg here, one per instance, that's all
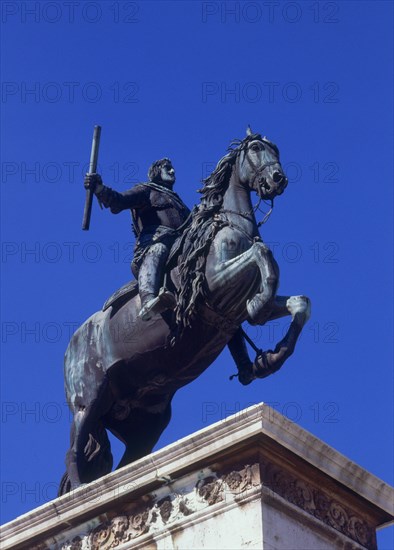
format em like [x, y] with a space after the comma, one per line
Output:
[65, 485]
[140, 432]
[89, 456]
[73, 459]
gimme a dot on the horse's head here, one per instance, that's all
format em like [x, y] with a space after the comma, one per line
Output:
[255, 162]
[259, 167]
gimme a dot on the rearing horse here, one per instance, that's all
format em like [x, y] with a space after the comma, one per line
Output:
[121, 373]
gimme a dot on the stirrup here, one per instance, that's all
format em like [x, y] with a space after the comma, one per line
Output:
[164, 300]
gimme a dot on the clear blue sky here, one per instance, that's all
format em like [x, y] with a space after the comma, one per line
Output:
[181, 79]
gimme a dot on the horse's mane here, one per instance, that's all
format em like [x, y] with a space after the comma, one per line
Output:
[200, 233]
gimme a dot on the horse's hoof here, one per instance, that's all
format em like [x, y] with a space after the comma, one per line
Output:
[299, 305]
[261, 366]
[245, 375]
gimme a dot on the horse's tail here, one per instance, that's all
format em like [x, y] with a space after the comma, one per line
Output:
[64, 485]
[98, 460]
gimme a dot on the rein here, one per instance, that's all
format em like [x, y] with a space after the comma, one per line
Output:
[247, 214]
[257, 174]
[207, 220]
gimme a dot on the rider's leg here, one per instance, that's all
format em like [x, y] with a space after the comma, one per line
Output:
[149, 279]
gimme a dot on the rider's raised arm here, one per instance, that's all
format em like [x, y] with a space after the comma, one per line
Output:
[136, 197]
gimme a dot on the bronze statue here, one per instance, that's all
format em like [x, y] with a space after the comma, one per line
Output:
[121, 372]
[157, 214]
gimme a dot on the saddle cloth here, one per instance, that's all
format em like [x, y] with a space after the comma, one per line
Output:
[122, 295]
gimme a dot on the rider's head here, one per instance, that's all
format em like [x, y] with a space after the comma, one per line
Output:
[162, 171]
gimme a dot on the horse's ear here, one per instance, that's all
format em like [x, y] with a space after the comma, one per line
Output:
[249, 130]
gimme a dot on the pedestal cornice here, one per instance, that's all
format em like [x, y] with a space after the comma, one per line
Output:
[255, 456]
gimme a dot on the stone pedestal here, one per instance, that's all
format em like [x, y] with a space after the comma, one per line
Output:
[255, 481]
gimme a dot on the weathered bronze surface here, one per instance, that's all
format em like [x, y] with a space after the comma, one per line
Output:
[121, 371]
[158, 215]
[92, 169]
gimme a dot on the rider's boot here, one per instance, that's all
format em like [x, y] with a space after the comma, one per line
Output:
[153, 301]
[163, 301]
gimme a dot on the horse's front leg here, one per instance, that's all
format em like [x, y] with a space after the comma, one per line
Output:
[229, 272]
[225, 269]
[266, 363]
[284, 305]
[239, 353]
[260, 307]
[270, 361]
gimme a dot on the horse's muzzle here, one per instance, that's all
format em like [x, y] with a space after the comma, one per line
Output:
[281, 181]
[274, 185]
[278, 178]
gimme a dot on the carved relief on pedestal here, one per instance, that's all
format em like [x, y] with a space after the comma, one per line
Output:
[120, 529]
[208, 490]
[320, 505]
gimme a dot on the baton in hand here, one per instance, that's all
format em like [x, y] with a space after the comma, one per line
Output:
[92, 170]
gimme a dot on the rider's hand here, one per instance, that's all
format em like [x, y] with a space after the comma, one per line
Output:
[93, 182]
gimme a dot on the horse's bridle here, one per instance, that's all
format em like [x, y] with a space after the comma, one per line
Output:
[257, 172]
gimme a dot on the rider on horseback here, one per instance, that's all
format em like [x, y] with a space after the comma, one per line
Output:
[157, 213]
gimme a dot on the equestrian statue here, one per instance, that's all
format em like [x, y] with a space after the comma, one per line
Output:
[199, 276]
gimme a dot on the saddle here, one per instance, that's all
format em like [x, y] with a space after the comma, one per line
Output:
[130, 289]
[122, 295]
